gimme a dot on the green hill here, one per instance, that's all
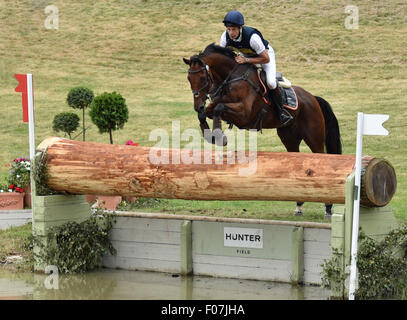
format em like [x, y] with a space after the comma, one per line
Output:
[136, 47]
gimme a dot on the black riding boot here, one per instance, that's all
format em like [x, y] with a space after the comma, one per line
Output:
[277, 99]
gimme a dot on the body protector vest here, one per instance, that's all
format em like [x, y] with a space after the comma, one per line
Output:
[244, 45]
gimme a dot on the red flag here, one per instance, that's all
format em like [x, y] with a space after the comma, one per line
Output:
[22, 87]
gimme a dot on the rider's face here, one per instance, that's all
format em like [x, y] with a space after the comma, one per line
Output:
[233, 32]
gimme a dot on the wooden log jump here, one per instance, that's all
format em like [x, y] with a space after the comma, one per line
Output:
[77, 167]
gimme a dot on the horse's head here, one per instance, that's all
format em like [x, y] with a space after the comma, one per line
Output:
[200, 81]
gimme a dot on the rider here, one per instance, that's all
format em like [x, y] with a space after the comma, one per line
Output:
[256, 50]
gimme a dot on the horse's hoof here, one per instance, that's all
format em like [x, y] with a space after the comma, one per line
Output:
[297, 213]
[225, 140]
[327, 216]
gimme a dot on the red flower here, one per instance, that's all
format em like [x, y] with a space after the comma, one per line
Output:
[131, 143]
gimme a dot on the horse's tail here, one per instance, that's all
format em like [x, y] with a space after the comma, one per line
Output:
[332, 135]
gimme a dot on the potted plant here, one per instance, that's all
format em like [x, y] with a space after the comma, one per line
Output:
[19, 179]
[11, 197]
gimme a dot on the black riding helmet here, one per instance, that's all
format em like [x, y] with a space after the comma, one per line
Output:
[233, 19]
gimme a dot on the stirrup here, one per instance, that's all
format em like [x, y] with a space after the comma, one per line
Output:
[285, 120]
[285, 116]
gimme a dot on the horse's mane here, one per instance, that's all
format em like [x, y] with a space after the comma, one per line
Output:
[213, 48]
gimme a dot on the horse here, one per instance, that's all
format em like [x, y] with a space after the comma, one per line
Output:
[236, 97]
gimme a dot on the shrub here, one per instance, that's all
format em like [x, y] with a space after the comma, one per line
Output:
[109, 112]
[80, 98]
[77, 247]
[382, 267]
[67, 122]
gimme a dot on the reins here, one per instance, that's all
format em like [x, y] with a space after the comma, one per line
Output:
[228, 80]
[244, 77]
[209, 80]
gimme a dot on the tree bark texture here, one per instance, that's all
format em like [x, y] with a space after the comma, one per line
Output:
[78, 167]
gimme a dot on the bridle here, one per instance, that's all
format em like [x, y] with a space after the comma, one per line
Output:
[207, 84]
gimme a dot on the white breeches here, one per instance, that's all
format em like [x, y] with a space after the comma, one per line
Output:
[270, 69]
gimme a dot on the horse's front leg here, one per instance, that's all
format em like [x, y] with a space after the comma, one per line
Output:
[234, 112]
[206, 113]
[217, 135]
[209, 110]
[237, 113]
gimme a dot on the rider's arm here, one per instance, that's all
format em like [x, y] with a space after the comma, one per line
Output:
[222, 41]
[257, 45]
[263, 58]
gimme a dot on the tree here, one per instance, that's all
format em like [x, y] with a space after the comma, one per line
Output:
[80, 98]
[109, 112]
[67, 122]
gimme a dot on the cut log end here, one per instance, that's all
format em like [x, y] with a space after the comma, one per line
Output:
[47, 142]
[379, 183]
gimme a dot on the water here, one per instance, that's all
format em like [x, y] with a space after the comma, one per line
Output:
[110, 284]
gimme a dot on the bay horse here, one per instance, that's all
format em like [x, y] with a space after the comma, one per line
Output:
[236, 97]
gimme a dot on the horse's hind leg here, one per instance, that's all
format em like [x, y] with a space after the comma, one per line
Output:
[298, 210]
[328, 211]
[291, 141]
[316, 144]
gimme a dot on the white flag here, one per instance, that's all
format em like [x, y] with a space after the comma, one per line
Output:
[373, 124]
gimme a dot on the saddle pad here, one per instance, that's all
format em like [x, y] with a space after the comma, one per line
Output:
[290, 100]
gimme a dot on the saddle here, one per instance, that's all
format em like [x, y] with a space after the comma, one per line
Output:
[290, 100]
[289, 97]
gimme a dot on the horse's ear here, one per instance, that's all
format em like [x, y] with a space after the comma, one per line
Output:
[188, 62]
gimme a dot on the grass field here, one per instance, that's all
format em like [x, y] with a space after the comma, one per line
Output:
[136, 48]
